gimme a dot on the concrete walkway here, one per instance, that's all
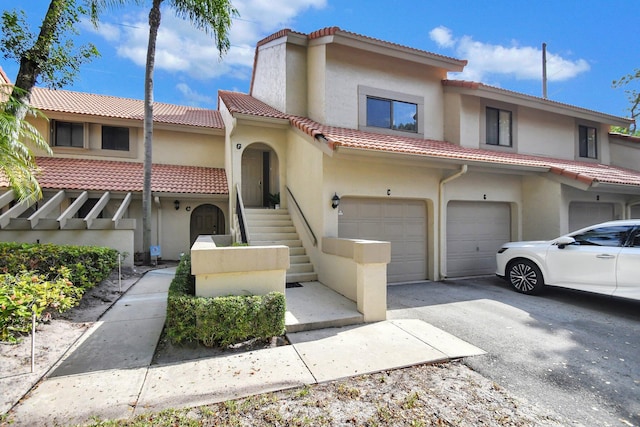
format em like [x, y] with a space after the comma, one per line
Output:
[108, 373]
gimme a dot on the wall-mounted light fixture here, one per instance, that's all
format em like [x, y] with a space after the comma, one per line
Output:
[335, 201]
[238, 146]
[176, 204]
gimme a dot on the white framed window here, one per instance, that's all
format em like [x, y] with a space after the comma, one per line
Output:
[385, 111]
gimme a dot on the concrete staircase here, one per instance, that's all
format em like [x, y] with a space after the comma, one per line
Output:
[274, 227]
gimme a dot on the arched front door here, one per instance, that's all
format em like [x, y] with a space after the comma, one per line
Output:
[259, 175]
[206, 219]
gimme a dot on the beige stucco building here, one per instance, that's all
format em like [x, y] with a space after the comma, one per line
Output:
[362, 139]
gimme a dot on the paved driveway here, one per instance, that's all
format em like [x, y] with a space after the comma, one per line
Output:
[575, 353]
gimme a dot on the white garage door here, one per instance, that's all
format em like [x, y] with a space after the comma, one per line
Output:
[401, 222]
[475, 232]
[584, 214]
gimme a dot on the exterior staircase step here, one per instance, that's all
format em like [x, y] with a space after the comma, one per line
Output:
[301, 277]
[300, 268]
[269, 227]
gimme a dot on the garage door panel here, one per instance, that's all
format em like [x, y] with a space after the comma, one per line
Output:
[475, 231]
[584, 214]
[400, 222]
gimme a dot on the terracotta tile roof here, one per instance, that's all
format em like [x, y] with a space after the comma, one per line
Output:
[477, 85]
[242, 103]
[329, 31]
[64, 101]
[103, 175]
[336, 137]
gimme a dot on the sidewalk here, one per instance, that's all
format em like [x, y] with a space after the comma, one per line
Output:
[108, 373]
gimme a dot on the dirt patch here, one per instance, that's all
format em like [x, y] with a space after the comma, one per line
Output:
[55, 337]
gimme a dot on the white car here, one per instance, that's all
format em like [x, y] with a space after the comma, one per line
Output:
[603, 258]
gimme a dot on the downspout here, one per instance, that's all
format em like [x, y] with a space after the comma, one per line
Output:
[441, 229]
[156, 201]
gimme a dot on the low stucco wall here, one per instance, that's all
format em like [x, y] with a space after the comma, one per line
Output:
[359, 272]
[238, 270]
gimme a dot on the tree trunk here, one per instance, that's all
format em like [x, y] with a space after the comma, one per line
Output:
[154, 24]
[30, 63]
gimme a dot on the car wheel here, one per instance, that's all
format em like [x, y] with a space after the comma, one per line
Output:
[525, 276]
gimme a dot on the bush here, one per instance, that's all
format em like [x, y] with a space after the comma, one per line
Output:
[42, 278]
[222, 320]
[88, 265]
[27, 293]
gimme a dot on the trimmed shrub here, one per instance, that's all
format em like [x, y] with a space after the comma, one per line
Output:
[222, 320]
[42, 278]
[88, 265]
[28, 293]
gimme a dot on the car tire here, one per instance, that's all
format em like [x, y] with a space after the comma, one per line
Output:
[525, 276]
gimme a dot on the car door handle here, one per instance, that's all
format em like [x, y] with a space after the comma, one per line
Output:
[605, 256]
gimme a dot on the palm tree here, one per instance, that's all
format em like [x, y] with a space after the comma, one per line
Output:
[16, 158]
[213, 17]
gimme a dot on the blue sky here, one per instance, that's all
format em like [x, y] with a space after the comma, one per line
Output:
[589, 44]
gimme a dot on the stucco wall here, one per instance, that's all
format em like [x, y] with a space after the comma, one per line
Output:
[316, 83]
[541, 208]
[625, 155]
[174, 146]
[170, 228]
[546, 134]
[535, 132]
[296, 70]
[270, 75]
[348, 68]
[191, 149]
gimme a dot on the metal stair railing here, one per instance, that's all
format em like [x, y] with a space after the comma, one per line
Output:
[306, 223]
[242, 221]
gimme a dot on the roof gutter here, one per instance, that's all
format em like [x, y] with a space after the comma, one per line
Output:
[441, 228]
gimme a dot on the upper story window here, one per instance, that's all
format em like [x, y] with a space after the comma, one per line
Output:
[115, 138]
[67, 134]
[588, 142]
[499, 127]
[385, 111]
[390, 114]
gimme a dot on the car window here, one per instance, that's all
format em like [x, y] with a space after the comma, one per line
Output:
[604, 236]
[634, 242]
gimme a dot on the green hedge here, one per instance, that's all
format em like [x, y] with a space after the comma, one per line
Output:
[42, 278]
[88, 265]
[220, 321]
[25, 294]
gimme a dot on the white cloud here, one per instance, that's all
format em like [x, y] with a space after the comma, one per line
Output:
[193, 97]
[183, 49]
[522, 62]
[442, 36]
